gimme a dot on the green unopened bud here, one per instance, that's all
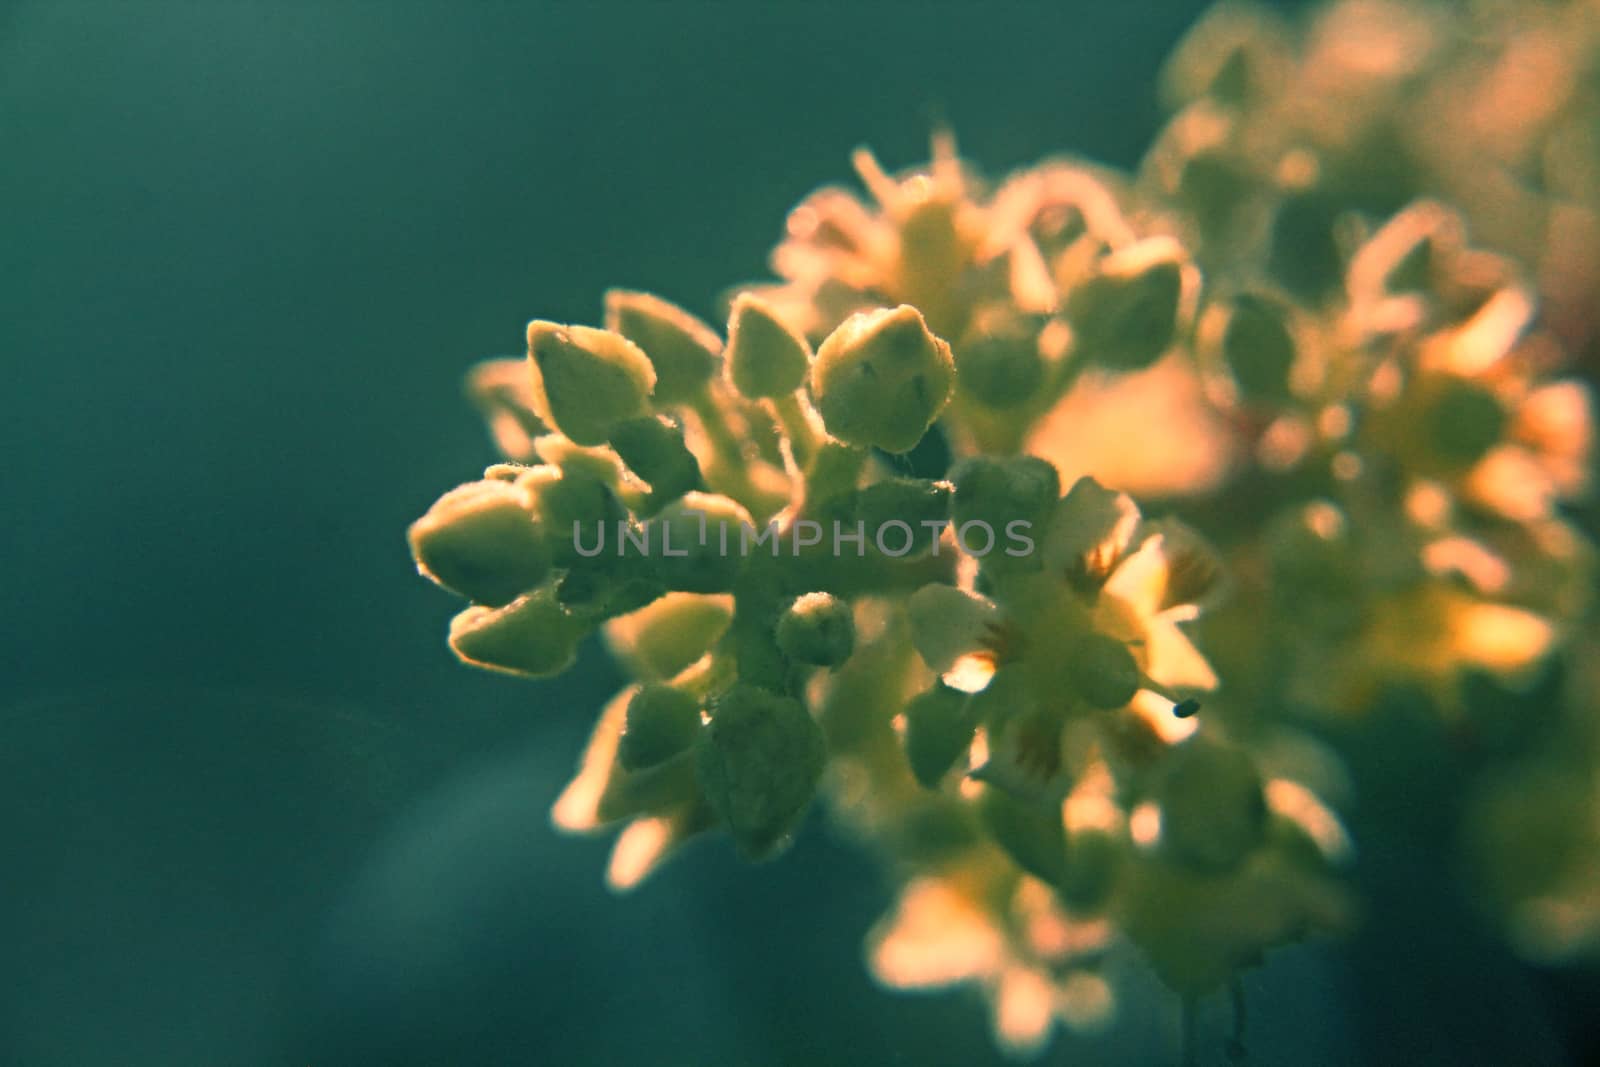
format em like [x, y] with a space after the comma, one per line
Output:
[669, 634]
[653, 448]
[817, 630]
[585, 381]
[1258, 348]
[1126, 316]
[916, 507]
[765, 357]
[1213, 811]
[570, 504]
[533, 635]
[1102, 670]
[1031, 833]
[881, 379]
[662, 722]
[696, 543]
[1001, 366]
[759, 760]
[938, 729]
[480, 540]
[999, 491]
[684, 351]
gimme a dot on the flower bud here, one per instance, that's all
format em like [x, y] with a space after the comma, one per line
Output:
[999, 491]
[696, 542]
[664, 637]
[662, 722]
[1258, 348]
[938, 729]
[585, 381]
[570, 503]
[1103, 672]
[1125, 317]
[684, 351]
[1001, 366]
[1213, 811]
[502, 393]
[913, 504]
[480, 540]
[653, 449]
[818, 630]
[533, 635]
[1031, 833]
[765, 357]
[881, 379]
[758, 761]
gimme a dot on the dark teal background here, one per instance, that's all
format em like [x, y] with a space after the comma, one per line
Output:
[253, 812]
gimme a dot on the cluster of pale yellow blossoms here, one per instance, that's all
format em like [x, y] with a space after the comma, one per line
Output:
[1368, 447]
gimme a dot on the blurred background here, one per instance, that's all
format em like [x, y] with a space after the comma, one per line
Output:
[253, 811]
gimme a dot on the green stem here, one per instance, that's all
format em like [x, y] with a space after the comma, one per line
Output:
[800, 424]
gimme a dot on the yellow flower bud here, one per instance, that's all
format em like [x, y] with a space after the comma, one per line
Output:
[653, 448]
[585, 381]
[765, 356]
[684, 351]
[533, 635]
[480, 540]
[663, 637]
[882, 378]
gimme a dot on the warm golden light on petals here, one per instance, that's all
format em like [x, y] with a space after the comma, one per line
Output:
[1557, 422]
[1510, 481]
[1428, 504]
[1144, 825]
[1491, 332]
[970, 673]
[1283, 443]
[1503, 639]
[1024, 1010]
[1155, 711]
[641, 846]
[1295, 802]
[1085, 1003]
[1173, 661]
[1487, 572]
[935, 937]
[1182, 446]
[577, 809]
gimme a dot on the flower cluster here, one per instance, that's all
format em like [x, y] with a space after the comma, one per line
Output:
[1350, 416]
